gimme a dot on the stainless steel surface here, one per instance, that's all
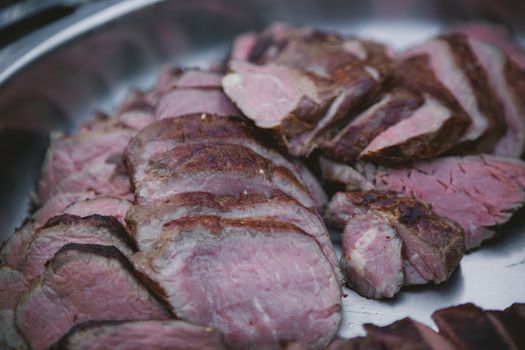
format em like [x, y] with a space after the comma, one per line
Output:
[62, 73]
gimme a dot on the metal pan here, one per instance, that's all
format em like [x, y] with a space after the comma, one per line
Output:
[85, 60]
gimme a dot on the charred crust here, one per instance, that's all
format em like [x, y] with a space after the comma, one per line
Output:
[108, 222]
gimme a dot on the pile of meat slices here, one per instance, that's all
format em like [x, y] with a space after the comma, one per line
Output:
[174, 223]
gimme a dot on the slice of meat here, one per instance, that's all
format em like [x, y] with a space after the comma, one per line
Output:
[477, 192]
[178, 102]
[468, 327]
[493, 34]
[390, 241]
[83, 283]
[57, 204]
[396, 105]
[371, 257]
[477, 96]
[221, 169]
[68, 155]
[312, 183]
[430, 130]
[510, 326]
[105, 206]
[407, 334]
[507, 80]
[357, 343]
[138, 335]
[11, 252]
[147, 221]
[12, 285]
[242, 46]
[64, 229]
[102, 179]
[343, 176]
[164, 135]
[257, 281]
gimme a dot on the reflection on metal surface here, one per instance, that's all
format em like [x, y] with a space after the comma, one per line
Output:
[62, 74]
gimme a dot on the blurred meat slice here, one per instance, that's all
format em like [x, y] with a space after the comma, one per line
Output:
[390, 241]
[105, 206]
[12, 285]
[11, 251]
[83, 282]
[57, 204]
[494, 34]
[469, 327]
[139, 335]
[407, 334]
[64, 229]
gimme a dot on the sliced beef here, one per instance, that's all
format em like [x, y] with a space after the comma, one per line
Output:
[469, 327]
[389, 241]
[164, 135]
[312, 183]
[106, 206]
[147, 221]
[221, 169]
[257, 281]
[493, 34]
[428, 131]
[58, 203]
[507, 80]
[394, 106]
[407, 334]
[510, 326]
[11, 252]
[12, 285]
[138, 335]
[242, 46]
[176, 77]
[178, 102]
[83, 283]
[64, 229]
[343, 176]
[69, 155]
[305, 82]
[477, 192]
[103, 179]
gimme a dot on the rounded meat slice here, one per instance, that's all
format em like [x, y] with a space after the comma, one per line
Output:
[106, 206]
[258, 281]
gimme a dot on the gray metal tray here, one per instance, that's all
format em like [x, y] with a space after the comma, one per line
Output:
[86, 61]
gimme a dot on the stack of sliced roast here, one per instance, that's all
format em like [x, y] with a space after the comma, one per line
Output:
[223, 233]
[358, 103]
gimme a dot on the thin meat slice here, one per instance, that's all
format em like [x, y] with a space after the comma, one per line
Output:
[317, 192]
[105, 206]
[221, 169]
[178, 102]
[396, 105]
[468, 327]
[138, 335]
[12, 285]
[83, 283]
[390, 241]
[430, 130]
[11, 251]
[279, 286]
[164, 135]
[68, 155]
[477, 192]
[507, 80]
[57, 204]
[343, 176]
[493, 34]
[242, 46]
[175, 77]
[147, 221]
[64, 229]
[407, 334]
